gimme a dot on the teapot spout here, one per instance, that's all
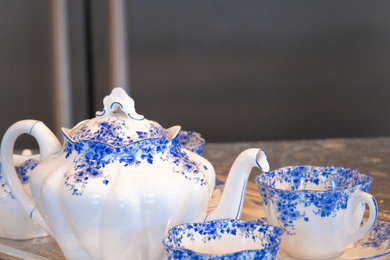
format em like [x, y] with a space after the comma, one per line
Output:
[232, 199]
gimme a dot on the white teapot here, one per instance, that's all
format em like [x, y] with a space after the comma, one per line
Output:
[119, 182]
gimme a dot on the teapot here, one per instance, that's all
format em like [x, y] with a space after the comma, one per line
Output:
[15, 223]
[119, 182]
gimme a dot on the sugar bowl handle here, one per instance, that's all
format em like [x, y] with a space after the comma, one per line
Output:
[48, 145]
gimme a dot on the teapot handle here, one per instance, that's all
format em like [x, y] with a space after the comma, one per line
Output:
[48, 145]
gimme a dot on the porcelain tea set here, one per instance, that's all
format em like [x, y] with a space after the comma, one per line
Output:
[124, 187]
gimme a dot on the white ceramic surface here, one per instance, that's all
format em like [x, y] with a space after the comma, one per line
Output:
[15, 223]
[319, 208]
[374, 245]
[120, 182]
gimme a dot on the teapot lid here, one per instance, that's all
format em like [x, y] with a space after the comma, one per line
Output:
[118, 124]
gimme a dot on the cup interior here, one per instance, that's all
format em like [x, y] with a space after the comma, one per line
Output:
[220, 237]
[317, 178]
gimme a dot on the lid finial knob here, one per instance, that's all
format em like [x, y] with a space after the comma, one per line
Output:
[118, 99]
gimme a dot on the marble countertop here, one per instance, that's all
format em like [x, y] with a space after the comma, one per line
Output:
[368, 155]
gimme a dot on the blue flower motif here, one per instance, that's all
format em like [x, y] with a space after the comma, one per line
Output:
[378, 237]
[114, 132]
[192, 141]
[23, 171]
[90, 157]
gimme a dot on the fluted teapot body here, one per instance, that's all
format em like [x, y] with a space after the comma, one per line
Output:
[133, 193]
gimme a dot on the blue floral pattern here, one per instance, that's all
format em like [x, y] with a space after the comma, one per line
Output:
[90, 158]
[115, 131]
[267, 238]
[23, 170]
[334, 186]
[192, 141]
[378, 237]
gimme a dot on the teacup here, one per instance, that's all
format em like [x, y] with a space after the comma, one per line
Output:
[320, 208]
[223, 239]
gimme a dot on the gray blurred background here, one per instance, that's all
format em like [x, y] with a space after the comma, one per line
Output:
[231, 70]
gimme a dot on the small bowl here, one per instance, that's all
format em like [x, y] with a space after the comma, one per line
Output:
[223, 239]
[192, 141]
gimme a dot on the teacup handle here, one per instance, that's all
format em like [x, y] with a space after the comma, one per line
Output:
[357, 198]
